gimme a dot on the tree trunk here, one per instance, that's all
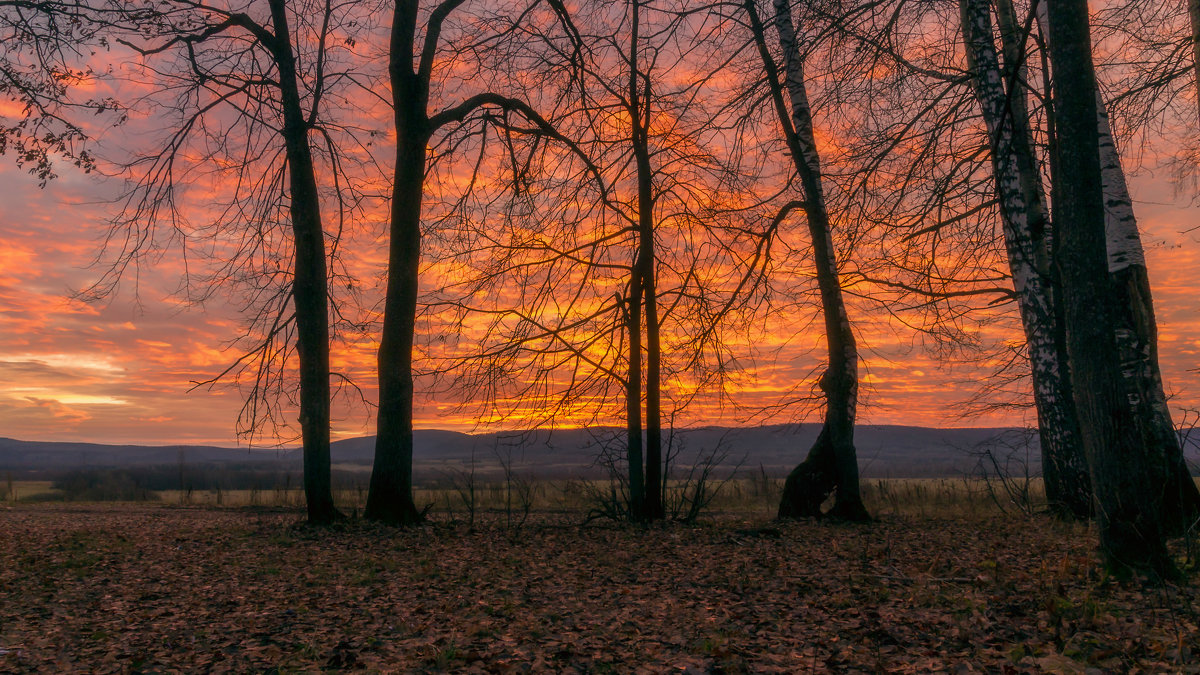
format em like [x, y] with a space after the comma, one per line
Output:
[1137, 336]
[1138, 340]
[832, 463]
[639, 114]
[1194, 15]
[633, 399]
[390, 498]
[1068, 480]
[1127, 474]
[309, 285]
[1023, 212]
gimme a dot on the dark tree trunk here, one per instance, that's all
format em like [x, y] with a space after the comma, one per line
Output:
[633, 399]
[1001, 97]
[1138, 337]
[309, 285]
[1127, 474]
[1138, 341]
[832, 463]
[1136, 334]
[1194, 15]
[639, 114]
[1066, 476]
[390, 498]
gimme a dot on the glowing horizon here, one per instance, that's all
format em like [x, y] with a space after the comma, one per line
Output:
[121, 371]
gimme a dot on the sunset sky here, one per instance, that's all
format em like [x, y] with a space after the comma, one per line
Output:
[123, 369]
[120, 371]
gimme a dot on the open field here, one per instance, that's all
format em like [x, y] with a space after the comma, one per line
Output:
[752, 496]
[158, 587]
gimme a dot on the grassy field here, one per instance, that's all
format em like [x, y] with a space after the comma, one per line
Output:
[752, 496]
[942, 580]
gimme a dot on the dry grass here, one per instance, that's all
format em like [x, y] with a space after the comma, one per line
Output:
[754, 496]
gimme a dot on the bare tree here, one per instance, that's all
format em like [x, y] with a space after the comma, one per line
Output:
[605, 272]
[832, 464]
[47, 46]
[252, 89]
[1127, 474]
[419, 119]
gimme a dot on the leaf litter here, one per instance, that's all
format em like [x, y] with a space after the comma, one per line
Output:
[119, 589]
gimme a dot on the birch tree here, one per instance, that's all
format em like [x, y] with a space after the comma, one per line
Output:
[1127, 476]
[832, 464]
[1026, 228]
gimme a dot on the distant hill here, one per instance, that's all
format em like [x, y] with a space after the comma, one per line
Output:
[884, 451]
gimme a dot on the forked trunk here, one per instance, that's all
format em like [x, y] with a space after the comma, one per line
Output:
[644, 292]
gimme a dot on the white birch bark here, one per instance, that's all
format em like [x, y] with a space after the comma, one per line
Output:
[1033, 295]
[1123, 242]
[1002, 97]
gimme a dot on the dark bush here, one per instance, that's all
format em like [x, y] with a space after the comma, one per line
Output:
[103, 485]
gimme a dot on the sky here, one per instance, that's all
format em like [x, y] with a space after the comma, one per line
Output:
[123, 370]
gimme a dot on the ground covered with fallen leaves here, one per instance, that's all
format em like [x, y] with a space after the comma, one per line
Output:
[156, 589]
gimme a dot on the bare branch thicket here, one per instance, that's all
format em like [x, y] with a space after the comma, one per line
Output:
[1005, 465]
[546, 275]
[255, 106]
[52, 58]
[912, 175]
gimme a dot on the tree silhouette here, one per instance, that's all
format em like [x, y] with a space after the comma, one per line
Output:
[598, 287]
[47, 45]
[1127, 472]
[418, 119]
[248, 92]
[832, 464]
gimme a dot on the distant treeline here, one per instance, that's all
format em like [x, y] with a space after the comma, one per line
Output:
[143, 483]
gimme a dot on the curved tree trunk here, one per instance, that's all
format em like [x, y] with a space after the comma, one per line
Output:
[309, 285]
[832, 463]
